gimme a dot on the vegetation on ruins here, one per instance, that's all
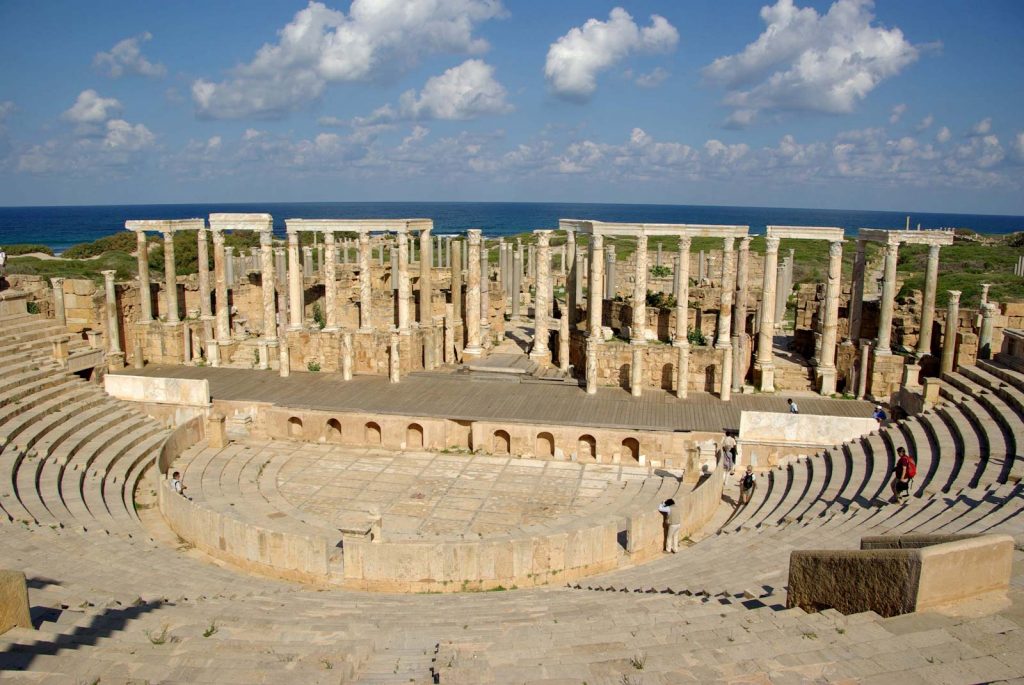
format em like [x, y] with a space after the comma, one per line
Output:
[123, 242]
[25, 248]
[318, 316]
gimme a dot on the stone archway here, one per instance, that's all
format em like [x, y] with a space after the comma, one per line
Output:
[414, 436]
[631, 449]
[333, 430]
[545, 445]
[371, 433]
[586, 447]
[294, 427]
[502, 442]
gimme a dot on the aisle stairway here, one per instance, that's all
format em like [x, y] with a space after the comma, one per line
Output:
[117, 598]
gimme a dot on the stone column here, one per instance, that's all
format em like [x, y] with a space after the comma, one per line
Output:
[285, 368]
[931, 281]
[456, 255]
[724, 342]
[680, 340]
[782, 292]
[830, 319]
[571, 276]
[346, 356]
[296, 306]
[330, 282]
[220, 284]
[229, 261]
[404, 291]
[203, 259]
[170, 278]
[473, 295]
[59, 311]
[887, 300]
[365, 292]
[517, 282]
[592, 365]
[739, 314]
[540, 350]
[857, 291]
[988, 310]
[394, 366]
[563, 343]
[609, 272]
[595, 286]
[485, 293]
[426, 285]
[280, 266]
[269, 287]
[949, 334]
[450, 353]
[307, 261]
[862, 375]
[145, 293]
[638, 325]
[765, 366]
[113, 327]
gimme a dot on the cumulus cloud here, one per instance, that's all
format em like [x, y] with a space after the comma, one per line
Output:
[463, 92]
[575, 60]
[897, 113]
[91, 108]
[126, 58]
[377, 38]
[121, 135]
[943, 135]
[807, 61]
[926, 123]
[653, 78]
[982, 128]
[1018, 147]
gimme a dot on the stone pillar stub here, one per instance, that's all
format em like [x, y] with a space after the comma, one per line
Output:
[59, 308]
[887, 300]
[113, 326]
[949, 334]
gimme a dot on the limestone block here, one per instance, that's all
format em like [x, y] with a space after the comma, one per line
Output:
[14, 608]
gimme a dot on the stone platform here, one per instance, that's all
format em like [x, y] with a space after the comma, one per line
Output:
[454, 397]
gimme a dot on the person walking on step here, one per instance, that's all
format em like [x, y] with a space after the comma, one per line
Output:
[793, 409]
[729, 453]
[906, 469]
[674, 519]
[748, 483]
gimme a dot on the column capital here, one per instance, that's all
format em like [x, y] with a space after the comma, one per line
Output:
[771, 243]
[835, 248]
[892, 248]
[218, 236]
[168, 236]
[293, 237]
[364, 236]
[108, 274]
[57, 281]
[328, 237]
[474, 235]
[933, 251]
[954, 296]
[728, 243]
[988, 309]
[543, 237]
[745, 243]
[684, 242]
[266, 237]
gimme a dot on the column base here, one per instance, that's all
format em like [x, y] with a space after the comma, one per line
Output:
[472, 351]
[765, 376]
[826, 380]
[330, 329]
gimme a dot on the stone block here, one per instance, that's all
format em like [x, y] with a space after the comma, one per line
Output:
[14, 607]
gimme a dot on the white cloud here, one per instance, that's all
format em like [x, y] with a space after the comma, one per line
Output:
[897, 113]
[1018, 147]
[982, 128]
[91, 108]
[126, 58]
[377, 38]
[806, 61]
[926, 123]
[331, 122]
[463, 92]
[943, 135]
[653, 78]
[575, 59]
[129, 137]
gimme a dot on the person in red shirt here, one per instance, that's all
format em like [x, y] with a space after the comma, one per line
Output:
[905, 471]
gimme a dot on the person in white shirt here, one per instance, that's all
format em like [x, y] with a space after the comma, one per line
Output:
[793, 409]
[675, 521]
[176, 483]
[748, 483]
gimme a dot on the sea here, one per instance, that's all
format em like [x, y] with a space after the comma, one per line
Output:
[63, 226]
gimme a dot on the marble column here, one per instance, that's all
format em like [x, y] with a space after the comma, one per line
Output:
[680, 340]
[540, 350]
[473, 347]
[591, 372]
[330, 277]
[830, 320]
[404, 291]
[609, 272]
[887, 300]
[394, 363]
[638, 325]
[426, 282]
[563, 343]
[346, 356]
[595, 286]
[739, 314]
[229, 262]
[269, 291]
[765, 366]
[862, 374]
[280, 268]
[517, 282]
[307, 261]
[485, 293]
[145, 292]
[113, 326]
[203, 260]
[170, 278]
[365, 292]
[931, 282]
[59, 311]
[988, 310]
[782, 292]
[857, 291]
[724, 342]
[296, 306]
[450, 353]
[949, 334]
[220, 285]
[571, 276]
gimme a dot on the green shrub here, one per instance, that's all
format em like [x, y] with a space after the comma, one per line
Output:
[313, 367]
[318, 316]
[695, 337]
[124, 242]
[661, 271]
[25, 248]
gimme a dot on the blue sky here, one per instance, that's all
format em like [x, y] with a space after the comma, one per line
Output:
[907, 105]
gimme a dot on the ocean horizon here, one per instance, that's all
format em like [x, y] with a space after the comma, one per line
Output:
[60, 227]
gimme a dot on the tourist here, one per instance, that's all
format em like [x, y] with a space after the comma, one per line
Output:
[879, 414]
[906, 469]
[176, 483]
[793, 409]
[748, 483]
[729, 453]
[675, 521]
[3, 261]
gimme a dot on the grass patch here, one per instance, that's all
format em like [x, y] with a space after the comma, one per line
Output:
[121, 262]
[25, 248]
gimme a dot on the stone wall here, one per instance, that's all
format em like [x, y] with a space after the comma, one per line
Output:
[770, 438]
[615, 357]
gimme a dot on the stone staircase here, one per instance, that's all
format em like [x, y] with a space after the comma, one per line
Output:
[117, 598]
